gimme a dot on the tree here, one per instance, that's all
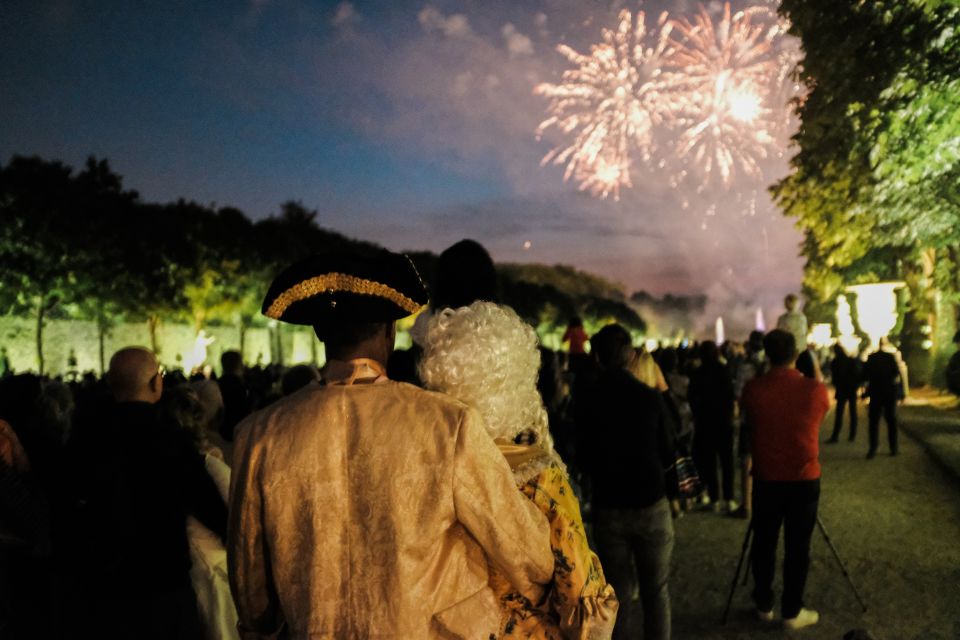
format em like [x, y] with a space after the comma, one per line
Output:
[874, 183]
[51, 225]
[81, 246]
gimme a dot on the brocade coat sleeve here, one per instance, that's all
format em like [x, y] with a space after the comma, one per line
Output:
[251, 581]
[510, 529]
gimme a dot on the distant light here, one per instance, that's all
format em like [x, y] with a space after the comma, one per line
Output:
[927, 344]
[848, 338]
[527, 244]
[758, 322]
[876, 308]
[198, 355]
[821, 334]
[719, 331]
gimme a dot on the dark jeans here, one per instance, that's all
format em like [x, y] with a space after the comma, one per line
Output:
[887, 407]
[635, 546]
[842, 402]
[794, 505]
[707, 449]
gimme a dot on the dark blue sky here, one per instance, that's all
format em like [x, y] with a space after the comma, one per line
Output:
[184, 102]
[408, 123]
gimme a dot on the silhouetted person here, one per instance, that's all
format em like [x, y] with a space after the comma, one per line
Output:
[148, 478]
[882, 375]
[237, 401]
[753, 365]
[576, 339]
[953, 368]
[625, 445]
[845, 373]
[465, 274]
[712, 401]
[807, 365]
[298, 377]
[5, 368]
[211, 403]
[26, 551]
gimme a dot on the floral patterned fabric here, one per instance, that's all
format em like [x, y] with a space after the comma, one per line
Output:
[580, 604]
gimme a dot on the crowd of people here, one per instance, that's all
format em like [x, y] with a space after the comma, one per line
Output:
[477, 485]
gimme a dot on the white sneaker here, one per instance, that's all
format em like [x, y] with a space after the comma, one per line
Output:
[805, 618]
[765, 616]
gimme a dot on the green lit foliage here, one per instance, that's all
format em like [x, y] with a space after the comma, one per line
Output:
[548, 297]
[564, 278]
[875, 182]
[912, 138]
[878, 157]
[56, 240]
[80, 246]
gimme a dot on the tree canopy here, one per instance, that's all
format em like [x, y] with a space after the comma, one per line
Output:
[79, 245]
[875, 182]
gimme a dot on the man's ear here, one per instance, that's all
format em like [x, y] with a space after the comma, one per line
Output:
[155, 383]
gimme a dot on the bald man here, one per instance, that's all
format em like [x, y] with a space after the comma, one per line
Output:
[135, 376]
[148, 478]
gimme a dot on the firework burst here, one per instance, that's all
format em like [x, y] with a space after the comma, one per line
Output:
[610, 102]
[706, 96]
[724, 70]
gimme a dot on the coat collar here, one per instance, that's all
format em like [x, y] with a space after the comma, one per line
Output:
[357, 371]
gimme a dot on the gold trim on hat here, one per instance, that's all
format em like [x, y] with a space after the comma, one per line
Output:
[335, 282]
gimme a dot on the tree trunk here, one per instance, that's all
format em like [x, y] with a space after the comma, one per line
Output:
[41, 310]
[102, 337]
[278, 340]
[954, 253]
[243, 340]
[152, 323]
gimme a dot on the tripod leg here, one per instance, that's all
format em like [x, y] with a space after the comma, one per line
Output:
[843, 569]
[736, 575]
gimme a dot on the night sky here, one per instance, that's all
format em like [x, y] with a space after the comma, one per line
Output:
[407, 123]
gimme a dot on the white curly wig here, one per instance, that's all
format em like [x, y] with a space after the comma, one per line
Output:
[486, 356]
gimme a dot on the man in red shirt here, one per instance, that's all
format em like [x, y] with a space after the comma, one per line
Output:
[576, 336]
[783, 411]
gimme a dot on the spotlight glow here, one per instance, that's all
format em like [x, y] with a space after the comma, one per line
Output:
[876, 308]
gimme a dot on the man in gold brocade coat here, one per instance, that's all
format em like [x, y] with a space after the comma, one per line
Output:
[364, 507]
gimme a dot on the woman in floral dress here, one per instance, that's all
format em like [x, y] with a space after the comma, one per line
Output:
[487, 357]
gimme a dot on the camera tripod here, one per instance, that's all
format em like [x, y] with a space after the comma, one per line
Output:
[746, 574]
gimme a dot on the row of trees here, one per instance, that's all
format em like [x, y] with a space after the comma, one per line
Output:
[875, 185]
[80, 245]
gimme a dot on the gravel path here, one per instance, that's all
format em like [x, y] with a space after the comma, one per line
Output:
[896, 524]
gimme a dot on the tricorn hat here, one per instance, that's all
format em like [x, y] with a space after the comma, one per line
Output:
[330, 288]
